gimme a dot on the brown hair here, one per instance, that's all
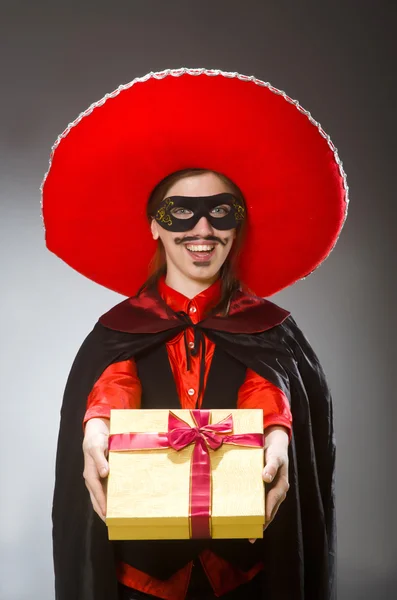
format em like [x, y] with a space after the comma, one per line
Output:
[158, 266]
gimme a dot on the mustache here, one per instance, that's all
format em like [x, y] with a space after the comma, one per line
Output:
[208, 238]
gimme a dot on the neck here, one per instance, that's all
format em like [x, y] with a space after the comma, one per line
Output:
[187, 286]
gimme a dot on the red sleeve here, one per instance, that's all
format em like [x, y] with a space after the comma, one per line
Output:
[117, 387]
[257, 392]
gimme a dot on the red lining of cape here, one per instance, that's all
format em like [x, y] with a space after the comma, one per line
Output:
[148, 313]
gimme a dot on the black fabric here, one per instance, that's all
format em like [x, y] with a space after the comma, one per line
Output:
[162, 558]
[155, 375]
[225, 377]
[299, 546]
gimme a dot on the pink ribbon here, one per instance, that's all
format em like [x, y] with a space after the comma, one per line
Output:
[204, 436]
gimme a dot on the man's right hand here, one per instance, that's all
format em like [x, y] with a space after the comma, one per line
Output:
[96, 467]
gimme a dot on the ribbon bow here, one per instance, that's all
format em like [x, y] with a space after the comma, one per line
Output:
[180, 434]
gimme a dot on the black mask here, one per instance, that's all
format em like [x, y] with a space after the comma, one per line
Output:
[229, 215]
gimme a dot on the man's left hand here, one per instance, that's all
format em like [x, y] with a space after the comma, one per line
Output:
[275, 473]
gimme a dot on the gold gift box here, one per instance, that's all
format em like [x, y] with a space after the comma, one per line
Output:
[148, 490]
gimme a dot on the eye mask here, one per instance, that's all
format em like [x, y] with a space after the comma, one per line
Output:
[182, 213]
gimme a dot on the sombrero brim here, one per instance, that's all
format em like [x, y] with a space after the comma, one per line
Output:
[104, 166]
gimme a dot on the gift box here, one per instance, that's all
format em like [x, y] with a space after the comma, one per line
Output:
[185, 474]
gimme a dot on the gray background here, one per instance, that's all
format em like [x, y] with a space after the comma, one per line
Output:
[336, 59]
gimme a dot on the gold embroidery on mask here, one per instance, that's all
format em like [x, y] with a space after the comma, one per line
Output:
[239, 215]
[162, 215]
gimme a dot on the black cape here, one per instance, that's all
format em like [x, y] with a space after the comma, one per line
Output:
[300, 544]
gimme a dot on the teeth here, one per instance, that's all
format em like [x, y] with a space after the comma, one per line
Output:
[200, 248]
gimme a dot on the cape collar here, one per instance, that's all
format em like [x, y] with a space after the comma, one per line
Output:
[149, 313]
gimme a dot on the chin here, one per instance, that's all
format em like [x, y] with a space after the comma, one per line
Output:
[203, 273]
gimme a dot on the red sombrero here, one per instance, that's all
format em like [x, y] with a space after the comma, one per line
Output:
[104, 166]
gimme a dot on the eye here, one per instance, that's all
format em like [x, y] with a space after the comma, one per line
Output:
[221, 211]
[181, 213]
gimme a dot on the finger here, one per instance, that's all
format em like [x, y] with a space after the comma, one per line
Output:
[98, 456]
[95, 487]
[252, 541]
[274, 497]
[270, 506]
[99, 496]
[275, 509]
[273, 514]
[273, 463]
[97, 508]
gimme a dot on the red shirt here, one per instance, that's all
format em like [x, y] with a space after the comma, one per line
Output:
[119, 387]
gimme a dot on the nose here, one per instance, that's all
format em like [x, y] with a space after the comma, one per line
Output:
[203, 227]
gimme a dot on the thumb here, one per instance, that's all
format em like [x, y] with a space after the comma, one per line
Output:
[271, 468]
[100, 461]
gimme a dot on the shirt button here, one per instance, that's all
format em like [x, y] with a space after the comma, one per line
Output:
[191, 344]
[192, 309]
[190, 392]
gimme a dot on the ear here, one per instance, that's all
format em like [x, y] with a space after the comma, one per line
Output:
[154, 229]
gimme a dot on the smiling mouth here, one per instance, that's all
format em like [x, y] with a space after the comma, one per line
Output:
[200, 247]
[201, 251]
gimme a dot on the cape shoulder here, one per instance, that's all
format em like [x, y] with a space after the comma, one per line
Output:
[148, 313]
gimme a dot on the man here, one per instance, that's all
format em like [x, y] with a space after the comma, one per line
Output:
[259, 355]
[195, 260]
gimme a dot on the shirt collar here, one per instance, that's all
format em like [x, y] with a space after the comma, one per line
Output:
[196, 307]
